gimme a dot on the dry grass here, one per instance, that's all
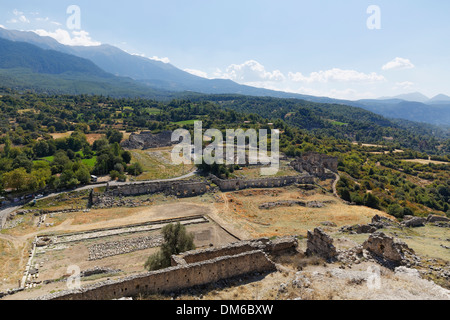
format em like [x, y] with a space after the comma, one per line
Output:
[423, 161]
[13, 258]
[157, 164]
[241, 209]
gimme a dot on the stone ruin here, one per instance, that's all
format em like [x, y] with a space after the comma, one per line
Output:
[274, 182]
[184, 189]
[180, 189]
[147, 140]
[378, 222]
[320, 244]
[316, 164]
[194, 268]
[387, 251]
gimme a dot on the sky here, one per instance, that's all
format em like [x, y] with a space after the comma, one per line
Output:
[347, 49]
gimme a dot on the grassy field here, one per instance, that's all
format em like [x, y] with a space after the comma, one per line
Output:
[157, 164]
[90, 162]
[185, 122]
[152, 111]
[255, 173]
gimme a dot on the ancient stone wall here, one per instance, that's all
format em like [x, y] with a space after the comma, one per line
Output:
[177, 188]
[173, 278]
[320, 244]
[180, 189]
[276, 182]
[388, 248]
[212, 253]
[316, 164]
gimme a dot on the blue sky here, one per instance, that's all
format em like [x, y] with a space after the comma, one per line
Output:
[320, 47]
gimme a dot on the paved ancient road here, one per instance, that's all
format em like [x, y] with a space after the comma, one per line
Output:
[4, 213]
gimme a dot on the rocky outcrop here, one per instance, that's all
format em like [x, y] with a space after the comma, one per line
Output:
[433, 218]
[377, 223]
[320, 244]
[414, 222]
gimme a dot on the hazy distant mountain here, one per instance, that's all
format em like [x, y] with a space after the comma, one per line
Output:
[415, 96]
[438, 114]
[440, 98]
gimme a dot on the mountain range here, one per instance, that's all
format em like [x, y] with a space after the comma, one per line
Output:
[30, 61]
[419, 97]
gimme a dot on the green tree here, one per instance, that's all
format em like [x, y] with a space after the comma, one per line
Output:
[135, 169]
[176, 241]
[371, 201]
[83, 175]
[114, 136]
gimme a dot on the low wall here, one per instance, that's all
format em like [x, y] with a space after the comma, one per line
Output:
[173, 278]
[180, 189]
[264, 244]
[212, 253]
[177, 188]
[241, 184]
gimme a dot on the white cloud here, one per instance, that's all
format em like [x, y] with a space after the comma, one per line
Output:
[336, 75]
[398, 64]
[20, 17]
[75, 38]
[198, 73]
[249, 71]
[165, 59]
[2, 26]
[155, 58]
[404, 85]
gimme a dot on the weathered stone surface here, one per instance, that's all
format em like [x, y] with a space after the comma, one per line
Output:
[366, 228]
[291, 203]
[113, 248]
[383, 222]
[388, 248]
[320, 244]
[415, 222]
[274, 182]
[433, 218]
